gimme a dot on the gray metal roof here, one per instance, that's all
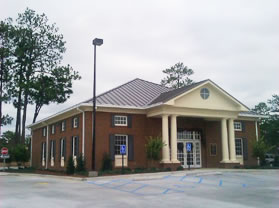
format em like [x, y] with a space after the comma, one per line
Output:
[136, 93]
[175, 92]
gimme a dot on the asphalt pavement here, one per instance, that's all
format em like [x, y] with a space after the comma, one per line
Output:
[197, 188]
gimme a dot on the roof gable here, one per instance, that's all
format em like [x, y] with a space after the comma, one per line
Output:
[219, 99]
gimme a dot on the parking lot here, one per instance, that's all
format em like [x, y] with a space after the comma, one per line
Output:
[209, 188]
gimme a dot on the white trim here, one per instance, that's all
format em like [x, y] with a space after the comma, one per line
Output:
[252, 116]
[125, 118]
[257, 139]
[240, 124]
[31, 140]
[241, 143]
[47, 148]
[83, 132]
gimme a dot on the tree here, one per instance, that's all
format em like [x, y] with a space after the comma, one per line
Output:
[4, 71]
[37, 50]
[269, 126]
[70, 166]
[177, 76]
[153, 148]
[260, 148]
[274, 102]
[80, 164]
[20, 154]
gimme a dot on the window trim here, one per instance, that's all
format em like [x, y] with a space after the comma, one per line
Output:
[236, 123]
[75, 122]
[44, 131]
[210, 152]
[204, 93]
[53, 129]
[120, 116]
[63, 125]
[237, 155]
[74, 147]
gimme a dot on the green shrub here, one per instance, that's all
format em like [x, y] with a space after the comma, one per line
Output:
[153, 148]
[180, 168]
[168, 169]
[107, 162]
[80, 164]
[70, 166]
[139, 170]
[20, 154]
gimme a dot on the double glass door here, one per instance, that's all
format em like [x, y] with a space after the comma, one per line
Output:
[193, 157]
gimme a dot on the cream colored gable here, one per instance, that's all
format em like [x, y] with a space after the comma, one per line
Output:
[218, 100]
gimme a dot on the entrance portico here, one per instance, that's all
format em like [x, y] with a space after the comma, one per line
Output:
[170, 152]
[207, 102]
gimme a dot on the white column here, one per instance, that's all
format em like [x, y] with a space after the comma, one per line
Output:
[232, 140]
[225, 149]
[165, 138]
[174, 139]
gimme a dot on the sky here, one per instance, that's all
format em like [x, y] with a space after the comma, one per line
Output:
[233, 43]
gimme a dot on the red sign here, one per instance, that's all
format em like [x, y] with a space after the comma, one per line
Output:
[4, 151]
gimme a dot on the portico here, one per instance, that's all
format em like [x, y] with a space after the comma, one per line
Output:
[206, 101]
[170, 154]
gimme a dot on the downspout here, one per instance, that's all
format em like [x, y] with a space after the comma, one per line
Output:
[31, 148]
[46, 145]
[257, 139]
[83, 130]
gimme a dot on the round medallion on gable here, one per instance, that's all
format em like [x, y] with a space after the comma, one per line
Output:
[204, 93]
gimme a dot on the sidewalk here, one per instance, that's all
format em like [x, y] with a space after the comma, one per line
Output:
[143, 176]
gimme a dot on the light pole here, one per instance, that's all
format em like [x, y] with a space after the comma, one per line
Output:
[96, 42]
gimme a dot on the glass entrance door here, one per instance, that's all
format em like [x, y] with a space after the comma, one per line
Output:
[194, 157]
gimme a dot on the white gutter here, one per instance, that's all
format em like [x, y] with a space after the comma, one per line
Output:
[46, 147]
[257, 139]
[31, 148]
[252, 116]
[83, 130]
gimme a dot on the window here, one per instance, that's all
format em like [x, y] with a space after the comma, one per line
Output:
[62, 148]
[213, 149]
[53, 129]
[120, 121]
[44, 131]
[75, 146]
[237, 126]
[43, 151]
[63, 125]
[75, 122]
[52, 149]
[120, 140]
[204, 93]
[238, 147]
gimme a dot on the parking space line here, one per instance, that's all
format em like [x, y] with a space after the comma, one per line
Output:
[183, 177]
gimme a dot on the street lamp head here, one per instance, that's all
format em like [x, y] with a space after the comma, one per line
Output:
[98, 42]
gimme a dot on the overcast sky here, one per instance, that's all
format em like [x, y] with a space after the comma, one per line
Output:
[234, 43]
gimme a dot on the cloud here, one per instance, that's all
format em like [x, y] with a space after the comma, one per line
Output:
[234, 43]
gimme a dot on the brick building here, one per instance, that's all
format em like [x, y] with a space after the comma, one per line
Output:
[220, 128]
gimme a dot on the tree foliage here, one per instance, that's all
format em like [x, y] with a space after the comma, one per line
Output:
[70, 169]
[177, 76]
[260, 148]
[269, 126]
[36, 51]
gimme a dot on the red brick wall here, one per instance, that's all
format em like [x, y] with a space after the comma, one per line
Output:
[142, 127]
[250, 134]
[38, 138]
